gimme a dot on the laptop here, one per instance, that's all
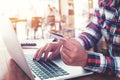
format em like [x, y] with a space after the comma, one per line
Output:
[19, 55]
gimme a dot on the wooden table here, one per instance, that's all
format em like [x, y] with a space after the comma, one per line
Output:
[9, 70]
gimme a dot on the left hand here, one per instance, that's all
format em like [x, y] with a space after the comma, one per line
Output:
[72, 53]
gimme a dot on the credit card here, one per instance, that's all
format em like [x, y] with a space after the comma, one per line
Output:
[57, 36]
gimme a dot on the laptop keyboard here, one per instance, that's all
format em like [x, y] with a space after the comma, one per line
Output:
[45, 69]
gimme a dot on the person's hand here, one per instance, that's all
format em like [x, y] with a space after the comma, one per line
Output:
[53, 47]
[72, 53]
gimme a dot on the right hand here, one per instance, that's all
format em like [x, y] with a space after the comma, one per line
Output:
[53, 47]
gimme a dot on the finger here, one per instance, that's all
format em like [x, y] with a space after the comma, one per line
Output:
[68, 45]
[66, 59]
[39, 53]
[64, 55]
[64, 43]
[35, 55]
[66, 51]
[46, 52]
[54, 53]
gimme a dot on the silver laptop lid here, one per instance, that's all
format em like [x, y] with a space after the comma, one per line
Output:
[10, 39]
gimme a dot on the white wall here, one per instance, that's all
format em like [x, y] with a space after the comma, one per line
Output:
[81, 16]
[64, 8]
[80, 8]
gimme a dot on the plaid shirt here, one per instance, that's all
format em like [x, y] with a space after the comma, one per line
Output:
[105, 22]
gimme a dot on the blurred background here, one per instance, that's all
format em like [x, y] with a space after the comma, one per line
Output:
[33, 19]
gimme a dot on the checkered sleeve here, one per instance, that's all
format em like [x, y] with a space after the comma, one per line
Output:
[92, 34]
[99, 63]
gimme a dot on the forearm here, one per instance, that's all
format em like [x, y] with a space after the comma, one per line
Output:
[90, 36]
[97, 62]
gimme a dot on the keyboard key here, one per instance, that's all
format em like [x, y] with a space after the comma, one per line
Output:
[45, 69]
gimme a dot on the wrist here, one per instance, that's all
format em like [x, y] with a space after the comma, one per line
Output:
[86, 59]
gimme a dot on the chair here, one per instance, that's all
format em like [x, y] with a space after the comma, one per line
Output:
[36, 22]
[51, 23]
[14, 22]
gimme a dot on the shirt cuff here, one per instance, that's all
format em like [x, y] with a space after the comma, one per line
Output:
[95, 62]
